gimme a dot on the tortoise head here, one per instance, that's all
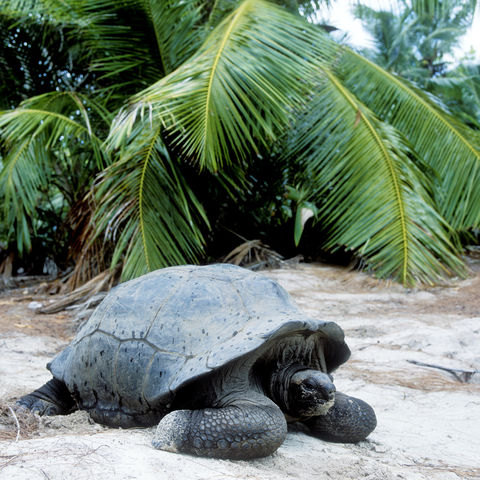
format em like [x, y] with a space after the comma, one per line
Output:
[301, 392]
[310, 392]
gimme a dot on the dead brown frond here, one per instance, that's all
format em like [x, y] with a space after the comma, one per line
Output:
[89, 254]
[102, 282]
[255, 255]
[473, 251]
[6, 267]
[6, 264]
[461, 472]
[460, 374]
[17, 424]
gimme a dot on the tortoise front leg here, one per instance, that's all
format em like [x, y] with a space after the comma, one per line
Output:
[53, 398]
[349, 420]
[244, 429]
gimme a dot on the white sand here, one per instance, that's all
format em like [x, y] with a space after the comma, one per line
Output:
[428, 423]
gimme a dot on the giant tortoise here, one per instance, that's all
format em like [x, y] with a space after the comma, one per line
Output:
[218, 356]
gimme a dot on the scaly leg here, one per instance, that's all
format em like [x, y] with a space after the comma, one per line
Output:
[242, 429]
[350, 420]
[53, 398]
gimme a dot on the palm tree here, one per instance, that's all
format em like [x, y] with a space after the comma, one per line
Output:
[206, 89]
[416, 39]
[459, 89]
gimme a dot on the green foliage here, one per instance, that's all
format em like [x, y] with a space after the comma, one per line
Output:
[225, 101]
[415, 40]
[375, 197]
[147, 209]
[50, 148]
[459, 90]
[35, 59]
[447, 146]
[200, 116]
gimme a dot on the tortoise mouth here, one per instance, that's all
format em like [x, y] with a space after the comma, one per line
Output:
[321, 408]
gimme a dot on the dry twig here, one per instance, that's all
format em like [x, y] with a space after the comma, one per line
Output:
[463, 376]
[16, 422]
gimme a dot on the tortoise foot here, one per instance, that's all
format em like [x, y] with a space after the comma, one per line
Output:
[239, 431]
[53, 398]
[350, 420]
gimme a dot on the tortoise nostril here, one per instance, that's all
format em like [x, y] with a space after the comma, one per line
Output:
[327, 391]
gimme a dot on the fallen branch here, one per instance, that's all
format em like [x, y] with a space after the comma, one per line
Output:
[103, 281]
[463, 376]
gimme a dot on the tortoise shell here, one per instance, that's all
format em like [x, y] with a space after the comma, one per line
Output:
[153, 335]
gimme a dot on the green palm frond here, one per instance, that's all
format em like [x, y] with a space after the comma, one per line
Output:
[37, 137]
[390, 172]
[449, 147]
[60, 117]
[54, 10]
[22, 179]
[460, 90]
[118, 41]
[370, 193]
[177, 31]
[147, 209]
[433, 8]
[132, 42]
[219, 10]
[237, 91]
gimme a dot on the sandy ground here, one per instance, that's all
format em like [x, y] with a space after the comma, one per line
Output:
[428, 421]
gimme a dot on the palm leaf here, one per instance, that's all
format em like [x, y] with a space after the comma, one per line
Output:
[370, 194]
[132, 42]
[59, 117]
[219, 10]
[176, 27]
[434, 9]
[449, 147]
[146, 208]
[36, 136]
[237, 91]
[22, 178]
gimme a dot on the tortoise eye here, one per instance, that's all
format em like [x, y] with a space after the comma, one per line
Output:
[309, 384]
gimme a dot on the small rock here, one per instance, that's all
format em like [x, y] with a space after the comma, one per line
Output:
[35, 305]
[380, 449]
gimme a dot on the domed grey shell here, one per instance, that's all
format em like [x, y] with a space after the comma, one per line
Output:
[153, 334]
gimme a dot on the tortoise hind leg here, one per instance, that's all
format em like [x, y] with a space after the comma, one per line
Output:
[350, 420]
[242, 429]
[53, 398]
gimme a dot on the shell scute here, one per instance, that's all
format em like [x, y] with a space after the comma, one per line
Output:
[157, 378]
[195, 315]
[131, 363]
[134, 305]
